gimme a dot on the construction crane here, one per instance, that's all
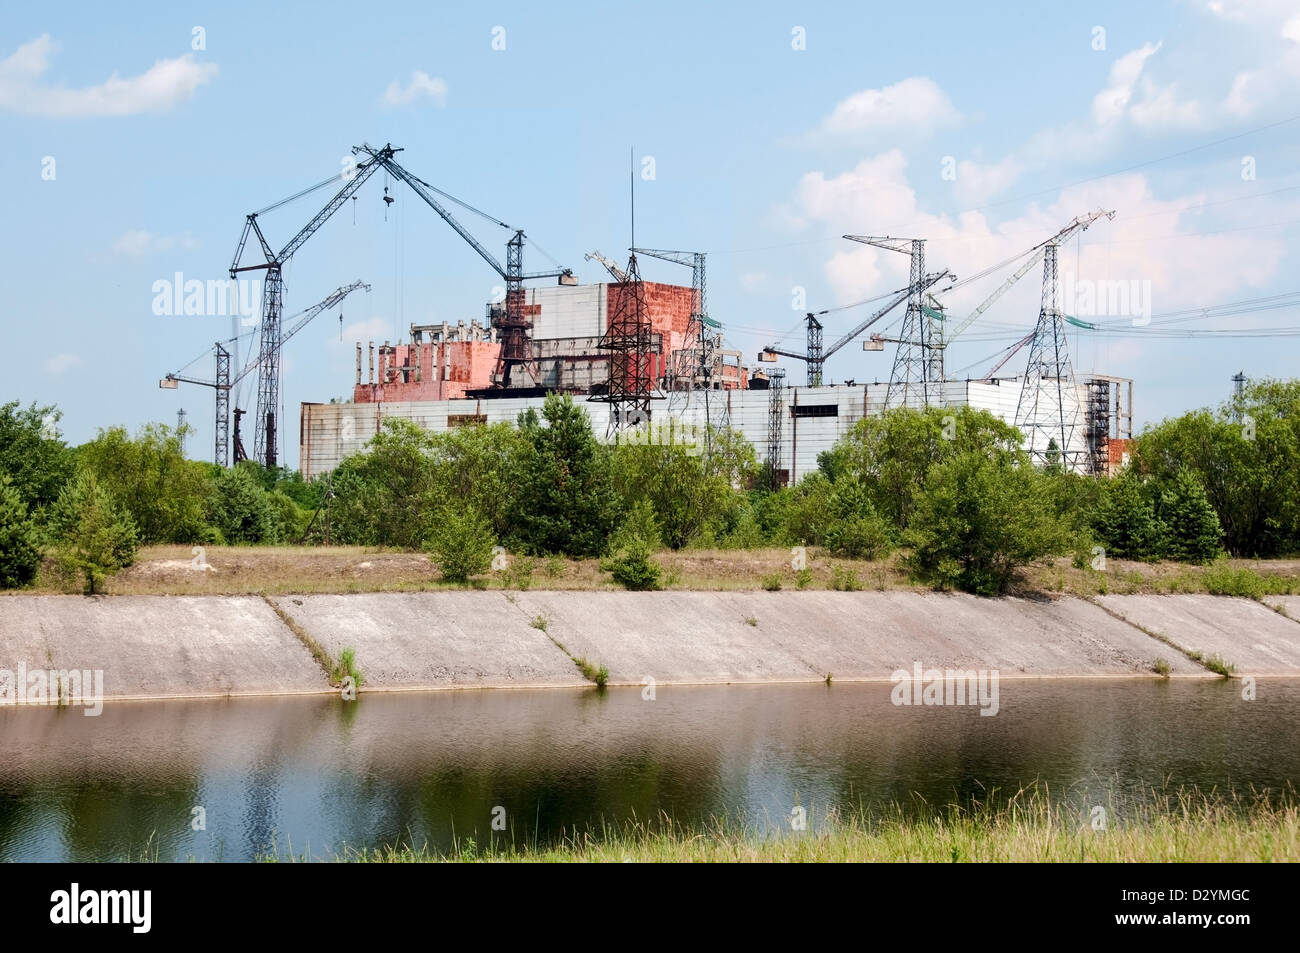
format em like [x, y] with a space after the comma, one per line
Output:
[223, 382]
[265, 440]
[612, 267]
[816, 356]
[1036, 253]
[513, 324]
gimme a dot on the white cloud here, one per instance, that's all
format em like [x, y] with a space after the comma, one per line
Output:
[60, 363]
[980, 181]
[137, 243]
[371, 329]
[1110, 104]
[164, 85]
[916, 102]
[421, 85]
[1186, 270]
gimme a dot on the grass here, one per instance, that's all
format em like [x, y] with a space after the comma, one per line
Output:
[1183, 827]
[1160, 667]
[540, 623]
[293, 570]
[591, 673]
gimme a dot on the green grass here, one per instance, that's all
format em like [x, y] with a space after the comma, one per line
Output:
[1160, 667]
[1182, 827]
[591, 673]
[539, 622]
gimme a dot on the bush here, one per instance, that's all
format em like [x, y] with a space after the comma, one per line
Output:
[1222, 580]
[20, 554]
[772, 583]
[460, 542]
[979, 520]
[96, 537]
[844, 579]
[632, 567]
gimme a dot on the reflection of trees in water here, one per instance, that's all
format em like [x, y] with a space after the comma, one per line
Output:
[321, 773]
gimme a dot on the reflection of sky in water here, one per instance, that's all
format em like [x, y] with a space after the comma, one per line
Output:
[315, 775]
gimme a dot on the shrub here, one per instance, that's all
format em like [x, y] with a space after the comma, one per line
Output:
[1222, 580]
[346, 666]
[844, 579]
[772, 583]
[803, 579]
[1160, 667]
[632, 567]
[979, 520]
[460, 542]
[1126, 521]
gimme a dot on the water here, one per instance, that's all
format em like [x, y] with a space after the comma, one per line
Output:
[315, 775]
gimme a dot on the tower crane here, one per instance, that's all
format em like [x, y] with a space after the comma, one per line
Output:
[610, 266]
[816, 356]
[1036, 253]
[516, 344]
[224, 383]
[266, 437]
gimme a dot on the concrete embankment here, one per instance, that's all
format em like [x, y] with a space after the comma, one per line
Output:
[151, 646]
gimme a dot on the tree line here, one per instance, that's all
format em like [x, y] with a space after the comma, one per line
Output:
[953, 489]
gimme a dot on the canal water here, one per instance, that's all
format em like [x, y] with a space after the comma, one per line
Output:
[315, 776]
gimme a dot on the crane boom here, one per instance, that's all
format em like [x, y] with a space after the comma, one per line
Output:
[610, 266]
[1079, 224]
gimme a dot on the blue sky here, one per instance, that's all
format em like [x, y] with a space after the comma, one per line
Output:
[1178, 115]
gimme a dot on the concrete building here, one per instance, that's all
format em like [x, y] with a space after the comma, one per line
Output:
[813, 419]
[446, 377]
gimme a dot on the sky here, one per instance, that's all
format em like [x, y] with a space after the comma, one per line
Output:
[137, 137]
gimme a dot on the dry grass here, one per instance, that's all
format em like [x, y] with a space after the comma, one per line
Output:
[282, 570]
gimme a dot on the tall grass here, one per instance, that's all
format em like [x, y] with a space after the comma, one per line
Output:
[1030, 827]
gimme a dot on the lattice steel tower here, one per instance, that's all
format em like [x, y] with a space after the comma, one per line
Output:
[630, 386]
[1048, 411]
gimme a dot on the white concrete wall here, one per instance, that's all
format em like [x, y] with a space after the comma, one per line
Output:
[332, 431]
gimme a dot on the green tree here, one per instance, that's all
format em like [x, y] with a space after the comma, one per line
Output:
[891, 454]
[383, 497]
[1246, 456]
[565, 501]
[167, 496]
[96, 536]
[34, 458]
[20, 551]
[978, 520]
[242, 509]
[1125, 519]
[1194, 534]
[460, 540]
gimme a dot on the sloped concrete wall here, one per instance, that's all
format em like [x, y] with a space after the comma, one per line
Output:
[160, 645]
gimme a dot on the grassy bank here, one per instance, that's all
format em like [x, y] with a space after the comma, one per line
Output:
[1183, 828]
[280, 570]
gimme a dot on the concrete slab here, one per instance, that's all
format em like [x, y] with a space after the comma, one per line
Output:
[1251, 636]
[871, 634]
[1290, 605]
[670, 636]
[160, 645]
[704, 636]
[426, 640]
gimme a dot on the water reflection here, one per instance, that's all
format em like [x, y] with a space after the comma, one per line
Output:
[313, 775]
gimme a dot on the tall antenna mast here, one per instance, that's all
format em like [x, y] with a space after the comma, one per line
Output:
[631, 187]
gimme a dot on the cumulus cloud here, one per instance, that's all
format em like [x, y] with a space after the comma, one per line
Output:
[421, 86]
[60, 363]
[1151, 239]
[166, 84]
[137, 243]
[915, 103]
